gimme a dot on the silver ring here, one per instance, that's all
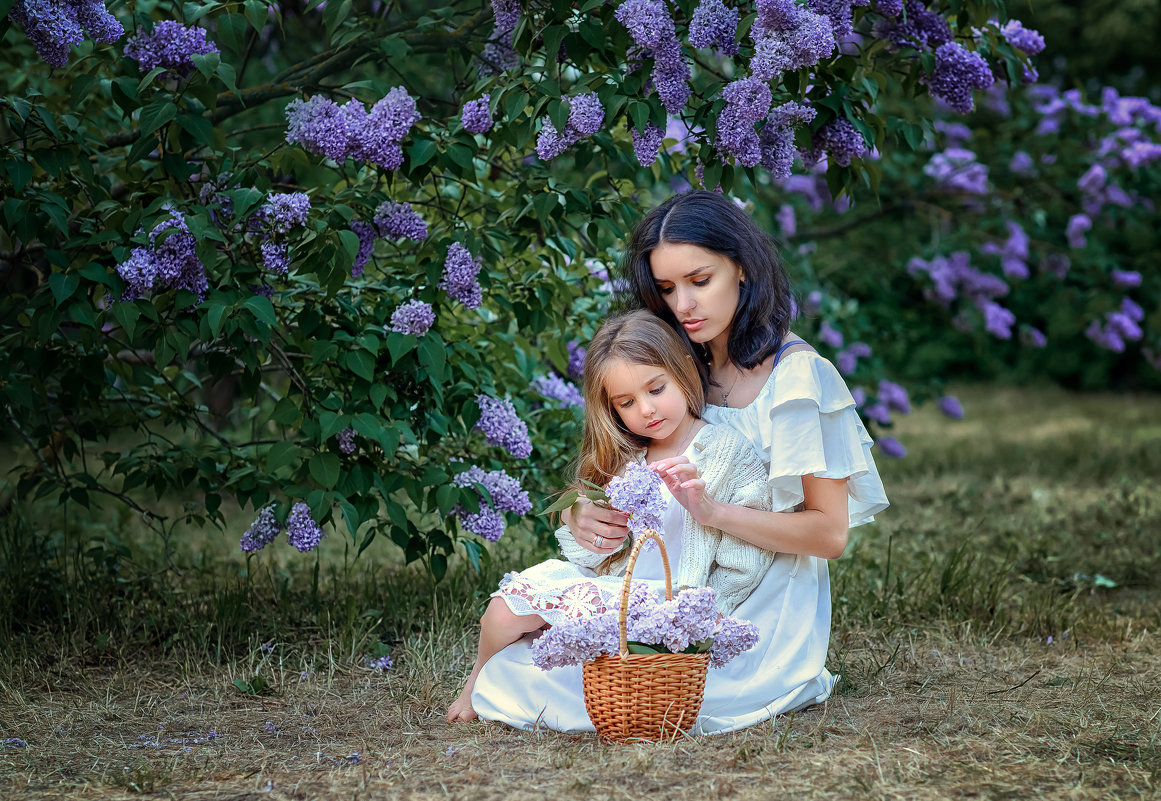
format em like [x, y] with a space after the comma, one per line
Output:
[599, 541]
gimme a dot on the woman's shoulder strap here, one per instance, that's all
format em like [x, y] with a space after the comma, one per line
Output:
[786, 346]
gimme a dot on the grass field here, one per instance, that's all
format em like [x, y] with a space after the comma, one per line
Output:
[997, 633]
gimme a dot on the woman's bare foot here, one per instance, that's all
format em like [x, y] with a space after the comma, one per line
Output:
[461, 708]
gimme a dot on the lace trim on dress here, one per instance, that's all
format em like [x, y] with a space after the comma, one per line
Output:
[578, 600]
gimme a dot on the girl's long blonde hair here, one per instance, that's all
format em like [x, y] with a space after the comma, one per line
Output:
[638, 337]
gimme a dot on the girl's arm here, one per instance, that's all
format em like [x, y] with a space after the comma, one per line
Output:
[820, 529]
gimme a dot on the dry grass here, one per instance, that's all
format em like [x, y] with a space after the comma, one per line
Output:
[984, 659]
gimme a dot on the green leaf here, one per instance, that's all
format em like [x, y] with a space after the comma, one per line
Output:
[281, 454]
[157, 114]
[256, 14]
[433, 357]
[642, 648]
[262, 308]
[361, 364]
[285, 412]
[63, 285]
[421, 152]
[563, 502]
[446, 498]
[399, 345]
[438, 566]
[324, 468]
[206, 62]
[350, 242]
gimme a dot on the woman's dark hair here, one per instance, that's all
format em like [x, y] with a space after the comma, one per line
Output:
[716, 223]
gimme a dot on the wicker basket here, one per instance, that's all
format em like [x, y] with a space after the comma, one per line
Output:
[644, 697]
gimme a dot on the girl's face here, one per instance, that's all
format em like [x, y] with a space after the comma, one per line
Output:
[699, 286]
[648, 400]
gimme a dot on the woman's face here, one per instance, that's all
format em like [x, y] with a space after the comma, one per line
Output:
[700, 287]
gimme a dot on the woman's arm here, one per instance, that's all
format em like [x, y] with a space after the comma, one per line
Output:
[820, 529]
[587, 521]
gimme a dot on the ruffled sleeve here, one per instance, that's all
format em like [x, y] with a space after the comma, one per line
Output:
[804, 422]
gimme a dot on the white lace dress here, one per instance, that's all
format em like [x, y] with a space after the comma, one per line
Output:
[802, 422]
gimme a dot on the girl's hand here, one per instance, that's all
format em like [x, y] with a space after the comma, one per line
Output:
[600, 529]
[680, 476]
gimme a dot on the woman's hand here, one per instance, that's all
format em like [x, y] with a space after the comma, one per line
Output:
[597, 528]
[681, 478]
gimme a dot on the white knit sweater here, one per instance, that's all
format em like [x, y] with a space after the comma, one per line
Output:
[733, 473]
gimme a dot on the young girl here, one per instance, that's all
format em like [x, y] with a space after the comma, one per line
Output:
[701, 265]
[643, 401]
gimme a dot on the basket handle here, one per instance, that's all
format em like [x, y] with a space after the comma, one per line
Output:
[645, 536]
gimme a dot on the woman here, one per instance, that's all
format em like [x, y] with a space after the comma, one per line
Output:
[701, 264]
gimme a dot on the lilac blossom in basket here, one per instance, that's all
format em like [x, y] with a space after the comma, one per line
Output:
[689, 623]
[638, 493]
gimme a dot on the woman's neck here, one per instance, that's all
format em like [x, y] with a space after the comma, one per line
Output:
[719, 350]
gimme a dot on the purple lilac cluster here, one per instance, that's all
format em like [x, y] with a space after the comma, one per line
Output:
[1025, 39]
[840, 14]
[413, 317]
[777, 137]
[503, 427]
[576, 359]
[459, 276]
[477, 116]
[892, 447]
[829, 335]
[840, 140]
[556, 388]
[638, 494]
[366, 234]
[263, 531]
[747, 101]
[169, 262]
[788, 37]
[351, 131]
[714, 25]
[277, 217]
[953, 276]
[847, 359]
[1118, 327]
[380, 665]
[957, 72]
[652, 28]
[586, 115]
[889, 8]
[683, 624]
[346, 439]
[951, 407]
[647, 143]
[919, 28]
[506, 494]
[957, 170]
[507, 14]
[170, 45]
[1013, 252]
[1078, 226]
[301, 530]
[54, 26]
[397, 221]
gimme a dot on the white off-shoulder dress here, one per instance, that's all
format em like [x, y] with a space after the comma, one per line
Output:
[803, 422]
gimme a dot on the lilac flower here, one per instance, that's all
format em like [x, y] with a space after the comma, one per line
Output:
[263, 531]
[54, 26]
[787, 221]
[638, 493]
[777, 137]
[319, 125]
[731, 637]
[502, 427]
[1078, 224]
[576, 360]
[477, 116]
[957, 72]
[878, 412]
[839, 13]
[346, 439]
[169, 263]
[951, 407]
[647, 21]
[894, 396]
[459, 276]
[282, 212]
[397, 221]
[714, 25]
[270, 728]
[1132, 310]
[365, 231]
[505, 491]
[301, 530]
[847, 360]
[956, 170]
[889, 8]
[671, 76]
[486, 523]
[507, 14]
[499, 56]
[788, 37]
[920, 28]
[381, 665]
[413, 317]
[576, 642]
[892, 447]
[1021, 38]
[830, 335]
[1032, 337]
[956, 133]
[556, 388]
[647, 143]
[652, 28]
[275, 256]
[1126, 279]
[1093, 180]
[375, 135]
[1022, 164]
[747, 101]
[998, 321]
[171, 45]
[841, 142]
[585, 117]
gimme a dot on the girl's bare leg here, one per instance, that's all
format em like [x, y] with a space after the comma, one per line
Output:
[499, 628]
